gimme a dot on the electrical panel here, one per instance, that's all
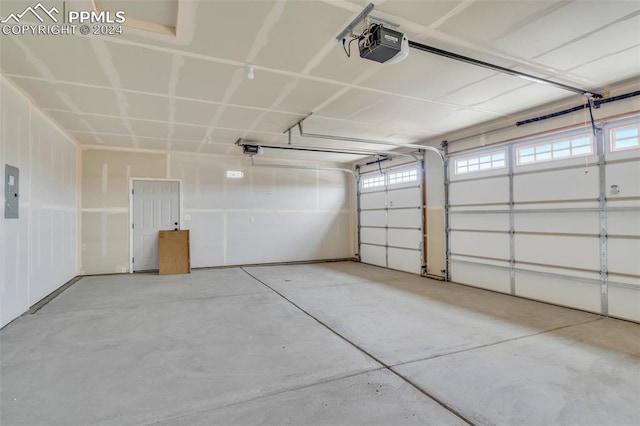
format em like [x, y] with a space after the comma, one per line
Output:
[11, 192]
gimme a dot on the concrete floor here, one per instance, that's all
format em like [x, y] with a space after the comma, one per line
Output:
[330, 344]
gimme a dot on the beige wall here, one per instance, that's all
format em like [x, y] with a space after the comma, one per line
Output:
[39, 250]
[105, 205]
[271, 215]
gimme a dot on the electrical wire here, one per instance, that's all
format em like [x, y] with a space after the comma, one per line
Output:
[347, 47]
[366, 37]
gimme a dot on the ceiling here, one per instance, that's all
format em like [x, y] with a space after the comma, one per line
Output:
[188, 91]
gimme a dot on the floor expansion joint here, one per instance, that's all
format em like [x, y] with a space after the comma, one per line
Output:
[356, 346]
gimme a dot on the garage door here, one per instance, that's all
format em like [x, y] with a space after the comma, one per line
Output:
[391, 218]
[553, 218]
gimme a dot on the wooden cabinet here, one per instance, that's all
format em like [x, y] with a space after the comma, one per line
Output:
[173, 252]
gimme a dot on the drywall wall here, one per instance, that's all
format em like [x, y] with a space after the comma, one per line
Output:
[38, 251]
[270, 215]
[105, 205]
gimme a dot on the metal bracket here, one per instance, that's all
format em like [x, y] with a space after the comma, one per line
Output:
[361, 17]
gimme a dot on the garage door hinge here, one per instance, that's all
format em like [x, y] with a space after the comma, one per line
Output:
[132, 226]
[133, 259]
[132, 192]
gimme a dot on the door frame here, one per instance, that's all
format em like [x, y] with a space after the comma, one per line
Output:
[129, 225]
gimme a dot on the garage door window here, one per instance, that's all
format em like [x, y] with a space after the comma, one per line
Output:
[480, 163]
[404, 176]
[624, 138]
[555, 150]
[373, 181]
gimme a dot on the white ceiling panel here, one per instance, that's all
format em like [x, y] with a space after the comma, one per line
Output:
[149, 129]
[46, 93]
[184, 146]
[365, 129]
[523, 98]
[15, 58]
[569, 22]
[482, 91]
[422, 12]
[485, 21]
[405, 113]
[305, 95]
[228, 29]
[275, 122]
[148, 107]
[142, 69]
[299, 33]
[236, 118]
[262, 91]
[189, 133]
[194, 112]
[65, 58]
[623, 35]
[352, 102]
[86, 138]
[223, 136]
[220, 149]
[99, 124]
[600, 69]
[69, 121]
[206, 80]
[142, 90]
[425, 76]
[153, 143]
[124, 141]
[336, 66]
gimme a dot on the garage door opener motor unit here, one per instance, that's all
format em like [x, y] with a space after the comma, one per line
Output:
[383, 45]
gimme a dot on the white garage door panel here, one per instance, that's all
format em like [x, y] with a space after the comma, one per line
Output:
[373, 218]
[623, 223]
[494, 190]
[490, 222]
[410, 218]
[574, 222]
[407, 238]
[481, 276]
[566, 292]
[404, 260]
[626, 176]
[373, 254]
[373, 235]
[571, 184]
[480, 244]
[391, 244]
[556, 225]
[574, 252]
[375, 200]
[409, 197]
[624, 302]
[624, 256]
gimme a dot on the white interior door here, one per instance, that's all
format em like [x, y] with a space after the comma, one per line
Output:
[156, 207]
